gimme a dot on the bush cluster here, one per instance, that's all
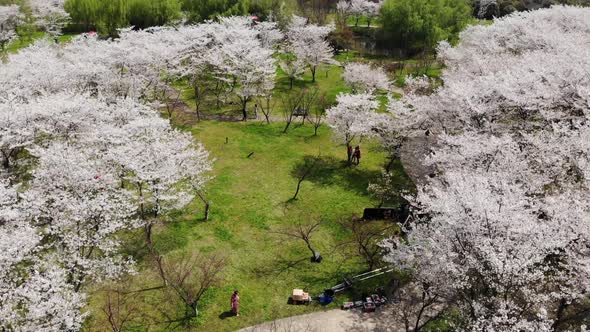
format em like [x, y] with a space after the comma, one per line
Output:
[106, 16]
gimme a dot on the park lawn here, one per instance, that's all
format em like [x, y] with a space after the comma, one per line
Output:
[249, 205]
[249, 198]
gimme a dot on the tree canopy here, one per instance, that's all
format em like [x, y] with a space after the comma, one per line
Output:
[421, 24]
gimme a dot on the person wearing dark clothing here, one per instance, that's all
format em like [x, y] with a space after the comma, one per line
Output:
[357, 155]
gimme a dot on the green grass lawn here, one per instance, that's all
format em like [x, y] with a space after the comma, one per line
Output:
[249, 197]
[249, 205]
[21, 43]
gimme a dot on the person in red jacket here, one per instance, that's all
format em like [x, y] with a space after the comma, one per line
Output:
[357, 155]
[235, 303]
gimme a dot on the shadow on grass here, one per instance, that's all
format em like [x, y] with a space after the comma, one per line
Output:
[329, 171]
[277, 267]
[226, 314]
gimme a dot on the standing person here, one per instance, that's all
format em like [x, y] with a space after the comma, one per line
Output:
[357, 154]
[235, 303]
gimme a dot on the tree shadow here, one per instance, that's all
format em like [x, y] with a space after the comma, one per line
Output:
[329, 171]
[279, 266]
[226, 314]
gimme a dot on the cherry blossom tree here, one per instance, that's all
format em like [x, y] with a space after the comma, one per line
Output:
[359, 8]
[97, 160]
[51, 15]
[309, 45]
[365, 78]
[76, 199]
[34, 293]
[158, 172]
[242, 60]
[196, 70]
[293, 68]
[372, 10]
[353, 117]
[269, 33]
[501, 232]
[9, 17]
[47, 7]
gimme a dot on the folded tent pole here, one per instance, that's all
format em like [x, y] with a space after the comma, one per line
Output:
[375, 275]
[363, 276]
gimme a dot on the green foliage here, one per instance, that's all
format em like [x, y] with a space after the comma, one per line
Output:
[143, 14]
[418, 25]
[107, 16]
[12, 2]
[200, 10]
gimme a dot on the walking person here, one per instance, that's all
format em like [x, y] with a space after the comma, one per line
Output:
[235, 303]
[357, 155]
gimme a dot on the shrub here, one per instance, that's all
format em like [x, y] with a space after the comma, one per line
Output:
[107, 16]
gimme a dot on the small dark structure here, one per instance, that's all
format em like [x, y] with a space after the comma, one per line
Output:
[396, 214]
[301, 111]
[369, 305]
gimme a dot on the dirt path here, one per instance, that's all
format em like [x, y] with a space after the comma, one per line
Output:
[334, 321]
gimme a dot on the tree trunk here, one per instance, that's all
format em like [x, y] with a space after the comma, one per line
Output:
[313, 70]
[148, 233]
[417, 327]
[291, 83]
[349, 153]
[298, 188]
[316, 258]
[244, 111]
[207, 204]
[197, 102]
[390, 164]
[5, 161]
[287, 127]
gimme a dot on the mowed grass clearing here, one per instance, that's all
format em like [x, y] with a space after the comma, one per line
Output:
[250, 205]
